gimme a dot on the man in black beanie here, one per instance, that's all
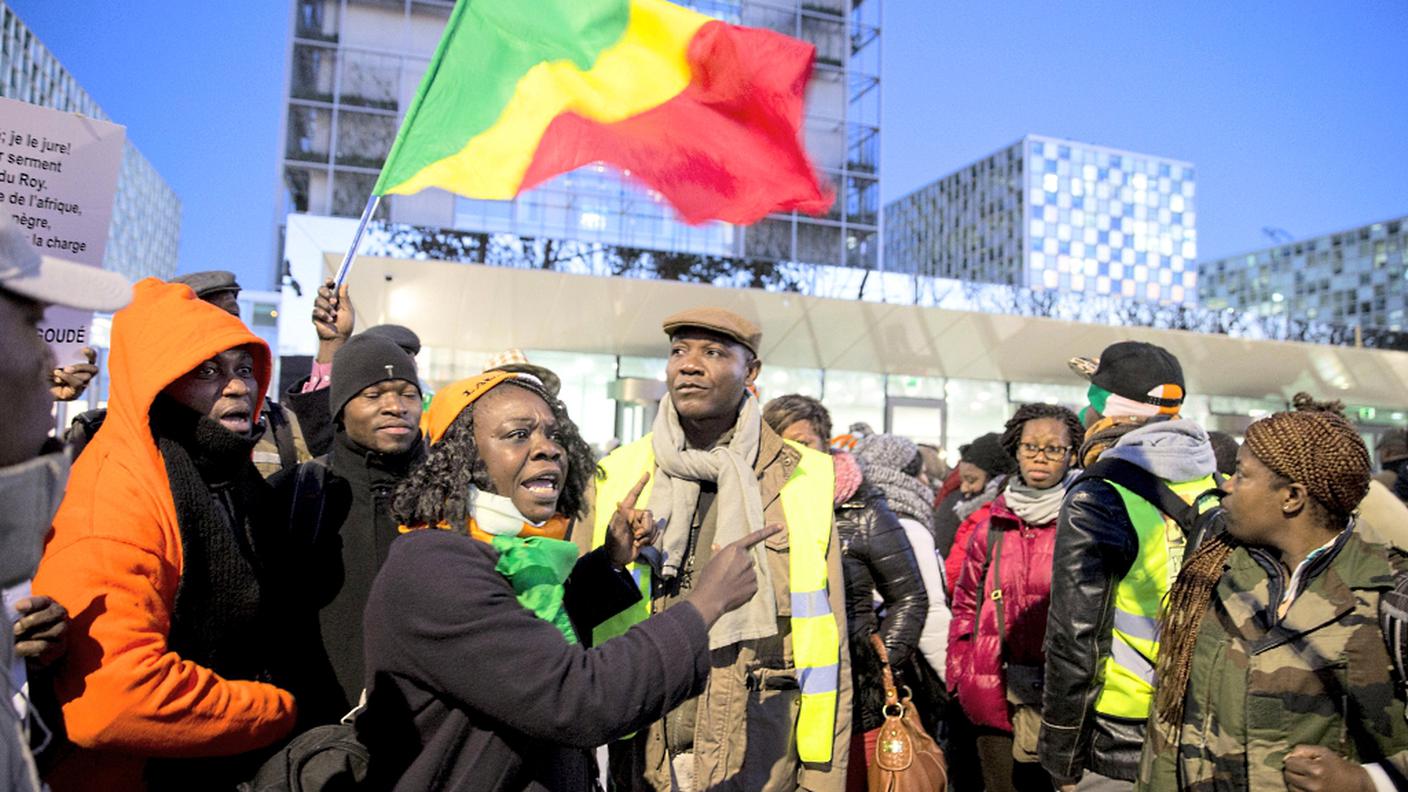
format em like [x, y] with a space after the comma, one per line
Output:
[333, 318]
[339, 505]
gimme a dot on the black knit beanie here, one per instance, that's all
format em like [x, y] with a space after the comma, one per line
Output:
[364, 361]
[404, 337]
[986, 453]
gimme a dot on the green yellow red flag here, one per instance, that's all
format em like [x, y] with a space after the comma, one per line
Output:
[707, 113]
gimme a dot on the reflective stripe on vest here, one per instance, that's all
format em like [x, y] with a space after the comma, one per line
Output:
[1128, 686]
[816, 642]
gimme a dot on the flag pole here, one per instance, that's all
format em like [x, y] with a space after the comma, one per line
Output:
[346, 267]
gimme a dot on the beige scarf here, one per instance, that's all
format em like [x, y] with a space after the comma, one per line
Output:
[675, 497]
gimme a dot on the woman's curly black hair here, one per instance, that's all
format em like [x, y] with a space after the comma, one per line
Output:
[437, 490]
[1012, 432]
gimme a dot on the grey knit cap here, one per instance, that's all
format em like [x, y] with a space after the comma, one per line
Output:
[885, 451]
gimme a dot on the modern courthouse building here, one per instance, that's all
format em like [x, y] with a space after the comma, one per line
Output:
[145, 230]
[1054, 214]
[1354, 277]
[926, 337]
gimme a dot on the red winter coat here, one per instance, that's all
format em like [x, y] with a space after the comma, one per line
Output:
[953, 565]
[975, 671]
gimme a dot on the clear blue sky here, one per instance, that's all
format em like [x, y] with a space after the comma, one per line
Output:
[1294, 112]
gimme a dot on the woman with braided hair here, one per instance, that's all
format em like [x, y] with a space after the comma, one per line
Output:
[995, 658]
[1274, 670]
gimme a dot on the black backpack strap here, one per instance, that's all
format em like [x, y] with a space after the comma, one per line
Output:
[1147, 486]
[283, 434]
[994, 570]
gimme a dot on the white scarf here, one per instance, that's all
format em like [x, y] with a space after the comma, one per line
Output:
[496, 514]
[674, 498]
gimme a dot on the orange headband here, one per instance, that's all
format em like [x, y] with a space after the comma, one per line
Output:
[452, 400]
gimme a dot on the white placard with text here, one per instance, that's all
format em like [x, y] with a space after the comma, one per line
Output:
[58, 178]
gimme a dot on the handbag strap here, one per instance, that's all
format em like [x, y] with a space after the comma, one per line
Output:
[887, 677]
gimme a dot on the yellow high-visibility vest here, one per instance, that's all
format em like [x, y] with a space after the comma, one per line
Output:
[816, 642]
[1128, 689]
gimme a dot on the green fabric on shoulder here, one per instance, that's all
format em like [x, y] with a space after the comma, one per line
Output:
[537, 567]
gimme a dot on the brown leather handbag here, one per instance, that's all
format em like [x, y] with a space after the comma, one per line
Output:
[906, 758]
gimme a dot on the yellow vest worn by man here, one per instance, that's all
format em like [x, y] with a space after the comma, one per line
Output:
[730, 744]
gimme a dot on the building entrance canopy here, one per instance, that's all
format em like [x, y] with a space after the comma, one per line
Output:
[480, 307]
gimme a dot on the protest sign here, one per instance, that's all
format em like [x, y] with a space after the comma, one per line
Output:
[58, 177]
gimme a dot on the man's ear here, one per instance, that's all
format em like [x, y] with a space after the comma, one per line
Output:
[754, 366]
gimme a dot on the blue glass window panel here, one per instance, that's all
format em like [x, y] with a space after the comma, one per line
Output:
[1104, 268]
[1178, 218]
[1163, 170]
[1141, 257]
[1077, 202]
[1189, 174]
[1064, 152]
[1050, 166]
[1104, 237]
[1104, 174]
[1065, 248]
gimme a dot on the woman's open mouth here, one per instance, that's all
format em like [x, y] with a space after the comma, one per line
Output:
[545, 485]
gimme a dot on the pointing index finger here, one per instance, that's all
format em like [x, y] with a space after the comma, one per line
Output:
[766, 532]
[632, 497]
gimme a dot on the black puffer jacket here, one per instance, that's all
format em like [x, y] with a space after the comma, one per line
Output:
[1095, 547]
[876, 557]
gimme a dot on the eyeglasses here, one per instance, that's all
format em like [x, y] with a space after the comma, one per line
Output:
[1050, 452]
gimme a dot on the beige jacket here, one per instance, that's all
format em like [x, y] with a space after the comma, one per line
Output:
[266, 452]
[1384, 517]
[744, 737]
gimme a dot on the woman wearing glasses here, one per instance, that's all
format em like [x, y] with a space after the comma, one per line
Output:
[1001, 596]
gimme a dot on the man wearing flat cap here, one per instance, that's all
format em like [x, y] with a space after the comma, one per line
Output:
[775, 712]
[1123, 529]
[338, 506]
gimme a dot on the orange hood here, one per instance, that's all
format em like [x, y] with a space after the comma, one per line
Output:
[164, 333]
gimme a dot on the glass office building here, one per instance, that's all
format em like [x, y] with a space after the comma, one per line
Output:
[1050, 214]
[354, 67]
[1355, 277]
[145, 230]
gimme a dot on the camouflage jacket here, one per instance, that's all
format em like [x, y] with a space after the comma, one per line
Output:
[1260, 686]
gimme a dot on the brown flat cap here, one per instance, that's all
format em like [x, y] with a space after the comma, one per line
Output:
[723, 322]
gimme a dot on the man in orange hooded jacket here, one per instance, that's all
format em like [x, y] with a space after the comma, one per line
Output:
[161, 557]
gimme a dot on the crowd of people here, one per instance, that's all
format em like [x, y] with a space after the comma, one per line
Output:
[382, 589]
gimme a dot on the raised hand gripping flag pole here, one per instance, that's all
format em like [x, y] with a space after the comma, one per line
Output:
[706, 113]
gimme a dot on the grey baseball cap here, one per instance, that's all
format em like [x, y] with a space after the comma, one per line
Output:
[56, 281]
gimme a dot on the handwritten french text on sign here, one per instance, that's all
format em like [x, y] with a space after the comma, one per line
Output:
[58, 176]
